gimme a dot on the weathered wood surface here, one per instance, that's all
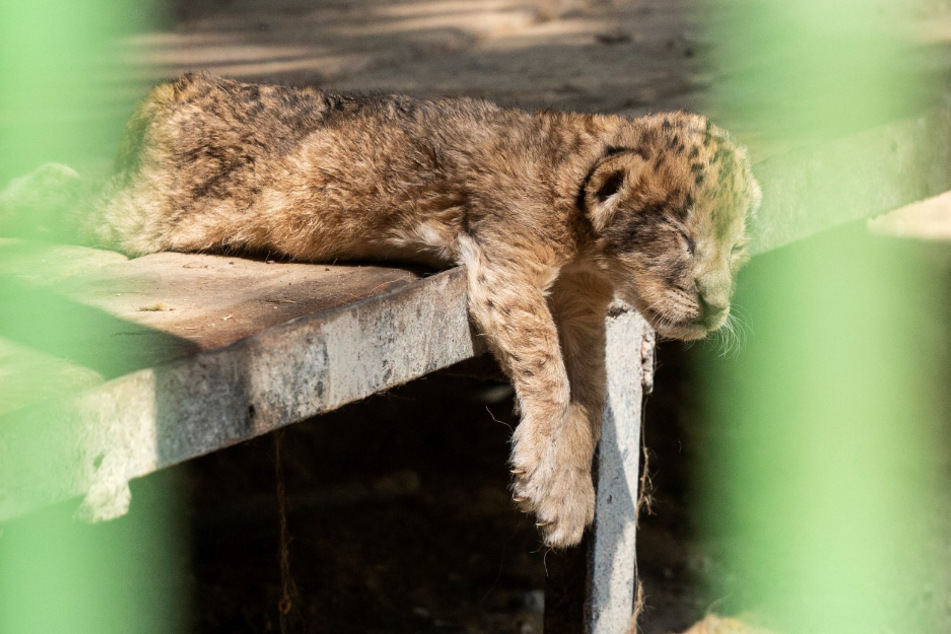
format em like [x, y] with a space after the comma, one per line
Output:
[254, 346]
[612, 567]
[926, 220]
[206, 301]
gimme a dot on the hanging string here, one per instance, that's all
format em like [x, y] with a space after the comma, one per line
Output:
[288, 587]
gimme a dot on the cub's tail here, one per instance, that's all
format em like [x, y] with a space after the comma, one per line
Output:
[49, 204]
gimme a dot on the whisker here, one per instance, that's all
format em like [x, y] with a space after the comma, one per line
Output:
[730, 342]
[744, 329]
[731, 337]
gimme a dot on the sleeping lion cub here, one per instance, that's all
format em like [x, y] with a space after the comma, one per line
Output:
[552, 215]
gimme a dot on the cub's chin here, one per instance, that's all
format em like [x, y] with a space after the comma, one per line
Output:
[689, 331]
[673, 327]
[671, 324]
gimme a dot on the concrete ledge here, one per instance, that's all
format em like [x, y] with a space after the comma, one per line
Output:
[814, 189]
[156, 417]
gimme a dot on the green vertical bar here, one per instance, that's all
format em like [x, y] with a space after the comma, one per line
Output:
[57, 59]
[830, 418]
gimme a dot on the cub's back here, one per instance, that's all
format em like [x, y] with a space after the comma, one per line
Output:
[208, 162]
[206, 126]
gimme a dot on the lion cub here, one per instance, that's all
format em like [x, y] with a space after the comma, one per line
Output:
[552, 215]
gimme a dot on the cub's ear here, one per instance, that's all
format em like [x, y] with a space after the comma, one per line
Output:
[605, 183]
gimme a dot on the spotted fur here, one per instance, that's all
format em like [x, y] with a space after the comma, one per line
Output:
[552, 215]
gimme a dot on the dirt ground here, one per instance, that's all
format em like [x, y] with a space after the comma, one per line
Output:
[397, 507]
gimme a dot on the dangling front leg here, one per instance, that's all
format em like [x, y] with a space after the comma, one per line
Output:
[553, 444]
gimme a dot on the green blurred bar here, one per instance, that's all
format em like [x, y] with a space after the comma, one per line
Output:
[829, 422]
[58, 103]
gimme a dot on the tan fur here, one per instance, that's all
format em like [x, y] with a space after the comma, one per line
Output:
[553, 214]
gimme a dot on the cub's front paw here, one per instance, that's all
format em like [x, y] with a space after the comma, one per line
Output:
[568, 508]
[552, 479]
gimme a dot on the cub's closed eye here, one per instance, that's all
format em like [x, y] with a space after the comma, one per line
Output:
[738, 249]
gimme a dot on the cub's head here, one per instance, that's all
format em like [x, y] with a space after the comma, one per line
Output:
[669, 200]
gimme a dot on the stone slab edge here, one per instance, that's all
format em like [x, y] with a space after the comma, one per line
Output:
[139, 423]
[810, 190]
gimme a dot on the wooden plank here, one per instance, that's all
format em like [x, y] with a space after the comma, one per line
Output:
[209, 301]
[926, 220]
[128, 315]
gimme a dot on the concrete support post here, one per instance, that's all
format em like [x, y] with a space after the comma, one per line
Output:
[591, 589]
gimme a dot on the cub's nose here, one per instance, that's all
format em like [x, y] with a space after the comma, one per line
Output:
[712, 314]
